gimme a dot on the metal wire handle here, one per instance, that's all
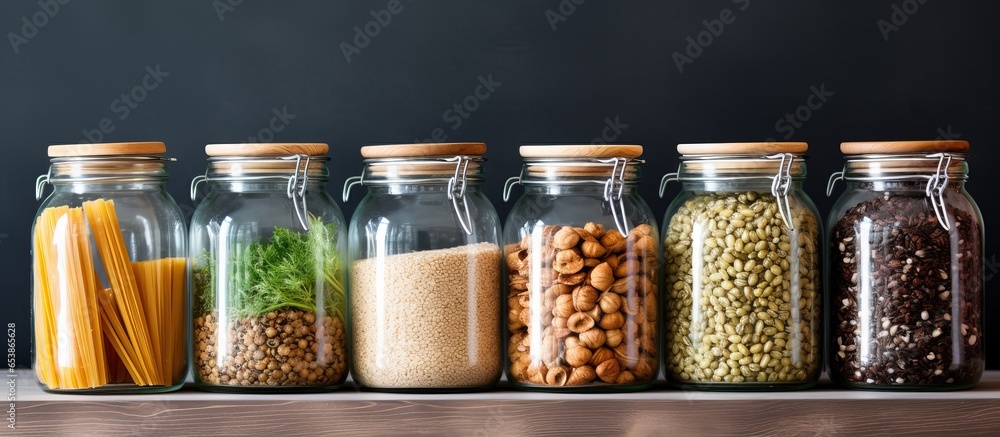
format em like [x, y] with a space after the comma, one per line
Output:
[934, 190]
[456, 189]
[614, 189]
[781, 185]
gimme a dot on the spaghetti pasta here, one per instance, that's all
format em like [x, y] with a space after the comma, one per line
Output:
[88, 335]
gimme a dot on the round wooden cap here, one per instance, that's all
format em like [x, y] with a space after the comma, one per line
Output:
[422, 149]
[889, 147]
[753, 148]
[107, 149]
[267, 149]
[582, 151]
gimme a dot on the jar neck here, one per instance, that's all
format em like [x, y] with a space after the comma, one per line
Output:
[260, 174]
[564, 189]
[905, 168]
[758, 185]
[100, 174]
[401, 188]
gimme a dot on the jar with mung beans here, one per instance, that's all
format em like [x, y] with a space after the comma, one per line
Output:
[582, 256]
[906, 269]
[741, 255]
[424, 267]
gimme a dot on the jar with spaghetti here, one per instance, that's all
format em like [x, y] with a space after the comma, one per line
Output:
[906, 269]
[425, 271]
[268, 292]
[742, 265]
[109, 272]
[582, 255]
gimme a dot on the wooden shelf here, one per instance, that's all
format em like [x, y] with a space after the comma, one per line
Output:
[662, 410]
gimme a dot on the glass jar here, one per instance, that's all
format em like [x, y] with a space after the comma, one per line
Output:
[268, 291]
[109, 275]
[742, 260]
[425, 271]
[582, 256]
[906, 269]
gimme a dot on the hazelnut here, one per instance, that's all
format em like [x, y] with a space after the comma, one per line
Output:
[571, 342]
[591, 262]
[612, 261]
[579, 322]
[613, 241]
[592, 249]
[585, 235]
[614, 337]
[550, 349]
[631, 306]
[577, 356]
[518, 282]
[558, 322]
[525, 316]
[558, 289]
[608, 371]
[515, 260]
[536, 373]
[645, 247]
[514, 321]
[557, 376]
[648, 287]
[574, 279]
[625, 378]
[602, 277]
[613, 320]
[651, 309]
[564, 306]
[648, 345]
[609, 302]
[547, 277]
[601, 355]
[581, 375]
[628, 267]
[584, 298]
[518, 368]
[628, 357]
[643, 370]
[557, 332]
[566, 238]
[643, 229]
[624, 285]
[593, 338]
[524, 299]
[596, 230]
[595, 313]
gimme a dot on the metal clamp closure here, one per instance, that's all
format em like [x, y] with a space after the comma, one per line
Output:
[781, 185]
[834, 178]
[614, 188]
[456, 191]
[667, 179]
[40, 184]
[936, 186]
[297, 187]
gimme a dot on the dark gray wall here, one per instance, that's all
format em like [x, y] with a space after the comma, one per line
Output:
[229, 67]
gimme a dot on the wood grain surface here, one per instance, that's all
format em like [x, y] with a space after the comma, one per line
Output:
[662, 411]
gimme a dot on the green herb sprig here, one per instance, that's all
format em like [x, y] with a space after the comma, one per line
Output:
[285, 271]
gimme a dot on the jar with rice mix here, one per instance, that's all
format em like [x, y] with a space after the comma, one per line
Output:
[425, 271]
[582, 257]
[742, 269]
[110, 282]
[906, 269]
[268, 289]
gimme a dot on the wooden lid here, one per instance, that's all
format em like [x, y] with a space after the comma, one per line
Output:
[889, 147]
[582, 151]
[267, 149]
[752, 148]
[107, 149]
[422, 149]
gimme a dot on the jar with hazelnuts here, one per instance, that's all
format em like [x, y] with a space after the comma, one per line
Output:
[742, 258]
[581, 261]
